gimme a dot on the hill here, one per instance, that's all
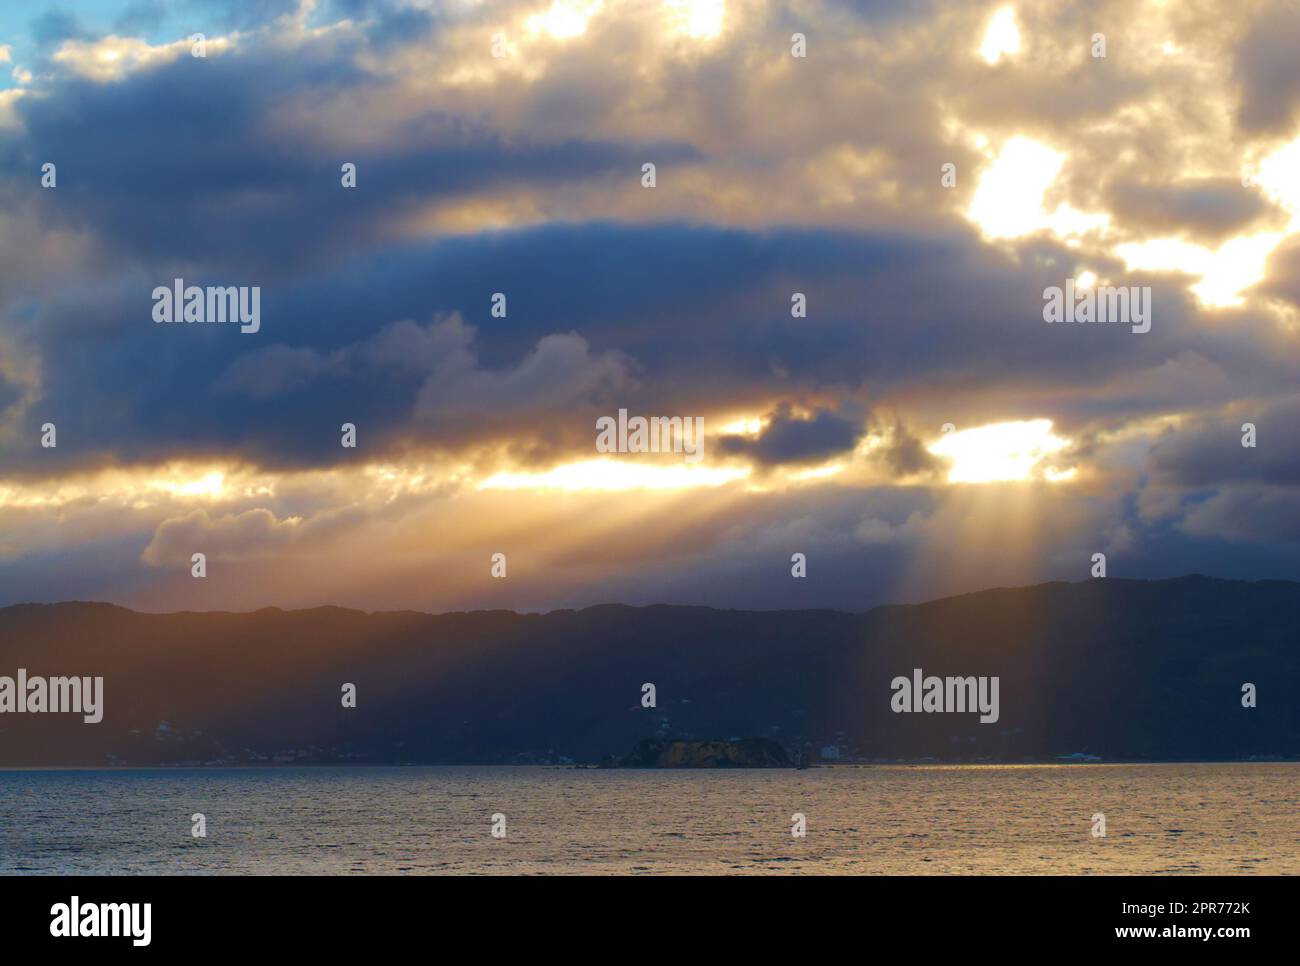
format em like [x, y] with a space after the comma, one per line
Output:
[1116, 668]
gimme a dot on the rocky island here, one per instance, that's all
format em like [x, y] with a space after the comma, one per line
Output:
[741, 753]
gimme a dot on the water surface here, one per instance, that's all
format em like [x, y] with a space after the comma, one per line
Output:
[1175, 819]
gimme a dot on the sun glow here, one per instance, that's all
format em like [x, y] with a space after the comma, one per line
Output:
[1225, 273]
[565, 19]
[1002, 452]
[1002, 36]
[1228, 271]
[211, 485]
[607, 474]
[701, 19]
[175, 482]
[1276, 177]
[1009, 198]
[1008, 201]
[744, 426]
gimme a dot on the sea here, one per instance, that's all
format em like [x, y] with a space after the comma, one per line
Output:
[1175, 819]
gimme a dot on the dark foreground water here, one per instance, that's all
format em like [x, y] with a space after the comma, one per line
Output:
[1180, 819]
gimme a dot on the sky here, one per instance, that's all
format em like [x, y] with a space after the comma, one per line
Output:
[841, 267]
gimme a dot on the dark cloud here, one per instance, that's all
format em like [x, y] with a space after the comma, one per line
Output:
[9, 393]
[1252, 514]
[189, 162]
[794, 439]
[400, 24]
[226, 15]
[886, 10]
[1208, 451]
[273, 371]
[140, 18]
[699, 315]
[1268, 70]
[1283, 277]
[1207, 210]
[54, 26]
[905, 455]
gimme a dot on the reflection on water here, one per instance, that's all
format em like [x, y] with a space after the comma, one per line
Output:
[1211, 818]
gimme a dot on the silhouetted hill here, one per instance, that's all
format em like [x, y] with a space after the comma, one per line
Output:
[1118, 668]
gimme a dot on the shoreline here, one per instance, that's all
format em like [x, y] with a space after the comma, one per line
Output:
[358, 766]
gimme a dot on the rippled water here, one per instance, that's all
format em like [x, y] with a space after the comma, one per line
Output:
[1212, 818]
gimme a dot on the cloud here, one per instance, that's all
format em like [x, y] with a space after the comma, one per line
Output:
[55, 26]
[271, 196]
[439, 362]
[1208, 451]
[113, 58]
[224, 538]
[273, 371]
[788, 438]
[905, 455]
[140, 17]
[1249, 514]
[1283, 278]
[1208, 210]
[603, 314]
[10, 393]
[558, 374]
[1266, 67]
[521, 175]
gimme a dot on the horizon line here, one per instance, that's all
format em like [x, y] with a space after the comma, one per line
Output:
[619, 604]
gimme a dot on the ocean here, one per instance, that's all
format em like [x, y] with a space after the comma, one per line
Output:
[914, 819]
